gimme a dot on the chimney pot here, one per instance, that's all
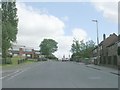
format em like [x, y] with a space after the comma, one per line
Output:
[104, 36]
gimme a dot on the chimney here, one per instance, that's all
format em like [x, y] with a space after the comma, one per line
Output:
[104, 37]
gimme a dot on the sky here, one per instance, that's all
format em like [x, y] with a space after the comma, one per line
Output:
[64, 21]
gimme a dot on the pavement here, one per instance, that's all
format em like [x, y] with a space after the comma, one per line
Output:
[105, 69]
[55, 74]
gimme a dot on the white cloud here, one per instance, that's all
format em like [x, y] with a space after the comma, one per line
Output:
[35, 25]
[79, 34]
[109, 9]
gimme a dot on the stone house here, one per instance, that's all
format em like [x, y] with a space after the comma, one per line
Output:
[113, 38]
[112, 58]
[104, 50]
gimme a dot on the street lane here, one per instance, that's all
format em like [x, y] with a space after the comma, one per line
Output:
[53, 74]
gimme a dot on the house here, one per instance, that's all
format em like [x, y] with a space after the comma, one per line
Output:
[112, 58]
[118, 51]
[29, 52]
[36, 54]
[104, 49]
[95, 54]
[113, 38]
[16, 50]
[22, 51]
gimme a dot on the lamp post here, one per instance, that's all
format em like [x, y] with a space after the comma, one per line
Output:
[97, 40]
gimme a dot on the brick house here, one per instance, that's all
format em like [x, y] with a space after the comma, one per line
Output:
[29, 52]
[22, 51]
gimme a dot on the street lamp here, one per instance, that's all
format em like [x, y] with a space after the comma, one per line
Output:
[97, 31]
[97, 38]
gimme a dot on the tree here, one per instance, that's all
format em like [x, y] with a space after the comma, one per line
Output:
[90, 45]
[9, 26]
[81, 49]
[76, 50]
[75, 46]
[48, 46]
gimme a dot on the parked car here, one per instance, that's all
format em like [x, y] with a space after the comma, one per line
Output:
[42, 59]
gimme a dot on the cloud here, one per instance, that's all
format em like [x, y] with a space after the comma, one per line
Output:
[79, 34]
[35, 25]
[108, 9]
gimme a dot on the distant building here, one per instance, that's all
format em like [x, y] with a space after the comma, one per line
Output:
[36, 54]
[19, 50]
[16, 50]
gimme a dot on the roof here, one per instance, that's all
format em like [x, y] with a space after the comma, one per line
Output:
[21, 46]
[112, 44]
[109, 41]
[113, 38]
[101, 43]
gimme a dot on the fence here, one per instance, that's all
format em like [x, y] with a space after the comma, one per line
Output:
[6, 61]
[21, 61]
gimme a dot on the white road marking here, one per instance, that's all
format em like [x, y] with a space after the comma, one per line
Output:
[12, 74]
[18, 74]
[9, 74]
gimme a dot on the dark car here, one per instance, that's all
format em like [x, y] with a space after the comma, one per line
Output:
[42, 59]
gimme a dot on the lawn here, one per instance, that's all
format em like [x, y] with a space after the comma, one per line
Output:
[15, 62]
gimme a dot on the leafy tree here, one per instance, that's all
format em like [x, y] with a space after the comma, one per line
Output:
[9, 25]
[48, 46]
[76, 50]
[75, 46]
[81, 49]
[89, 47]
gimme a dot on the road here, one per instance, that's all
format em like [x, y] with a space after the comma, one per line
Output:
[55, 74]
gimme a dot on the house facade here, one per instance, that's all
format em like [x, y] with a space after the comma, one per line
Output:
[22, 51]
[118, 51]
[112, 58]
[107, 51]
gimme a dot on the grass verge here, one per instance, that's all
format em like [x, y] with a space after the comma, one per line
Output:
[15, 63]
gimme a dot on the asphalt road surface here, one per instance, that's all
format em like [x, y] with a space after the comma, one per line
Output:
[55, 74]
